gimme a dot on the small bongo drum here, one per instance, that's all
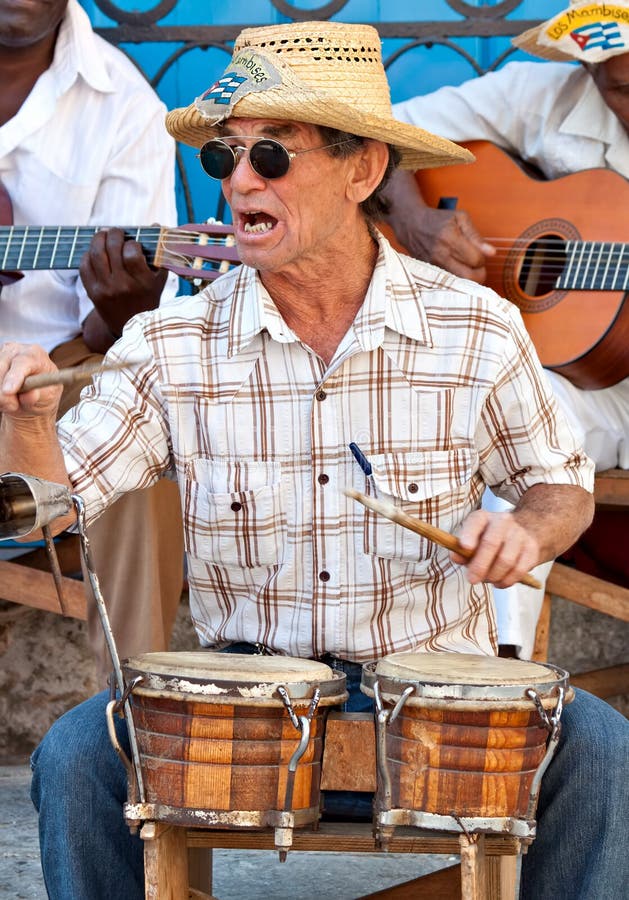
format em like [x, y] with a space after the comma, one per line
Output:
[462, 740]
[225, 740]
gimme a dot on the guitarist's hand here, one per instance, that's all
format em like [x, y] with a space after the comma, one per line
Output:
[452, 242]
[120, 283]
[444, 237]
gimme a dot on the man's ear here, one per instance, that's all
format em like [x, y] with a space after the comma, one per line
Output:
[370, 163]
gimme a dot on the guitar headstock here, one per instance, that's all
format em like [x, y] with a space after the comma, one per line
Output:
[200, 251]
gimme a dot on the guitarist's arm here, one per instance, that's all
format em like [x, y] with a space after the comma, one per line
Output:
[120, 283]
[444, 237]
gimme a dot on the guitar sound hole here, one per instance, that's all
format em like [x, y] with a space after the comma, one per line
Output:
[542, 264]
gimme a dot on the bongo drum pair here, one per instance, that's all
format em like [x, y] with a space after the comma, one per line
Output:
[462, 741]
[236, 741]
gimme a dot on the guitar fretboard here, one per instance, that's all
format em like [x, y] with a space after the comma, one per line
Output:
[27, 247]
[595, 266]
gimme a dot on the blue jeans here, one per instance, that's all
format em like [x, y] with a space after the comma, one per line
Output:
[79, 787]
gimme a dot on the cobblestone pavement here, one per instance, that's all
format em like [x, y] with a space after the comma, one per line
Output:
[254, 874]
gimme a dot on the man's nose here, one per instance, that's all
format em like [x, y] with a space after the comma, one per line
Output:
[244, 176]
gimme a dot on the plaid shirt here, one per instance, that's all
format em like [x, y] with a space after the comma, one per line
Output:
[437, 383]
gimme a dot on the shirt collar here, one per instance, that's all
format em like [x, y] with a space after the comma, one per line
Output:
[393, 301]
[77, 52]
[590, 117]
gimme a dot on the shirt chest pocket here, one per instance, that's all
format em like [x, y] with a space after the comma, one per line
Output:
[234, 514]
[431, 486]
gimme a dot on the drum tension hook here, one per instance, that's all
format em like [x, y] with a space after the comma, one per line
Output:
[119, 704]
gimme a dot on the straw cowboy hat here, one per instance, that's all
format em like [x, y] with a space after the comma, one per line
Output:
[323, 73]
[589, 32]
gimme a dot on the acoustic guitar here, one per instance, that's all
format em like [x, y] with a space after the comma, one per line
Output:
[199, 251]
[562, 256]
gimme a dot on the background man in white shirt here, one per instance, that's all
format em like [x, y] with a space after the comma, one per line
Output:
[82, 142]
[562, 119]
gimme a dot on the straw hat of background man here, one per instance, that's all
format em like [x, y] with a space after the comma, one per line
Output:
[322, 73]
[586, 31]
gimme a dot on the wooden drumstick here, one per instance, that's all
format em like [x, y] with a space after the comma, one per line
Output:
[437, 535]
[71, 375]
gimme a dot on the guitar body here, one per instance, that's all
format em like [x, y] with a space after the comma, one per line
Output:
[582, 334]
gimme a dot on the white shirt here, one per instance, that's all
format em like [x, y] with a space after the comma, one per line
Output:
[437, 383]
[87, 147]
[549, 114]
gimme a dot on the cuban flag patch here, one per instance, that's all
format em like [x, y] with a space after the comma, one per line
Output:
[247, 73]
[223, 90]
[598, 36]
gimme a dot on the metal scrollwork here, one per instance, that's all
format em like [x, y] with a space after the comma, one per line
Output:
[136, 18]
[491, 12]
[307, 15]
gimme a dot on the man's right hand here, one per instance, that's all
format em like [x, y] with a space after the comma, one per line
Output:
[17, 361]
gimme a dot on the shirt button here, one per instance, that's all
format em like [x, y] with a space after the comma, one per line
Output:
[324, 576]
[236, 507]
[413, 488]
[321, 395]
[323, 479]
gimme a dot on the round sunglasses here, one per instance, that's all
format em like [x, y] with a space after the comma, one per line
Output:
[267, 157]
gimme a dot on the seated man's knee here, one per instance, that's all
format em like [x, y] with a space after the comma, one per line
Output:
[596, 737]
[73, 751]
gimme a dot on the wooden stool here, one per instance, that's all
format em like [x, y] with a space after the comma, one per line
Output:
[488, 868]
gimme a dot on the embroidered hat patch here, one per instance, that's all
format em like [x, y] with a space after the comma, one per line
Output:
[247, 73]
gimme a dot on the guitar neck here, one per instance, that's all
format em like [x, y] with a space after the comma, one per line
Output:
[27, 247]
[595, 266]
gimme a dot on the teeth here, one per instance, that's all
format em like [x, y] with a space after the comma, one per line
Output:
[258, 227]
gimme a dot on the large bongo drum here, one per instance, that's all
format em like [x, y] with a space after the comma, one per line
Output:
[226, 740]
[462, 740]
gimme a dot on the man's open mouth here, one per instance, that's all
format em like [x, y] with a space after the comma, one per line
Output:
[257, 222]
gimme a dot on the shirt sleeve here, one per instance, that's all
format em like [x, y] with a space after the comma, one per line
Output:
[503, 107]
[522, 436]
[138, 183]
[117, 438]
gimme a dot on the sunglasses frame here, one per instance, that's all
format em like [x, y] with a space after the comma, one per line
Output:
[238, 150]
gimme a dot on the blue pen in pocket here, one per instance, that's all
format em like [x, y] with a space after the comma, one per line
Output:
[360, 458]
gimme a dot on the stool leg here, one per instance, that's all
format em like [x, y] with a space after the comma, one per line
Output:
[165, 861]
[502, 877]
[200, 869]
[473, 873]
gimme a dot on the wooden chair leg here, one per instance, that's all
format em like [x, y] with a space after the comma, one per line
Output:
[542, 631]
[165, 862]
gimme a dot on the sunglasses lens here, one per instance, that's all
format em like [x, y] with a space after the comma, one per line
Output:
[217, 159]
[269, 158]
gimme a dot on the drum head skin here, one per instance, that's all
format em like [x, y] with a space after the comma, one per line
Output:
[208, 675]
[463, 668]
[467, 677]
